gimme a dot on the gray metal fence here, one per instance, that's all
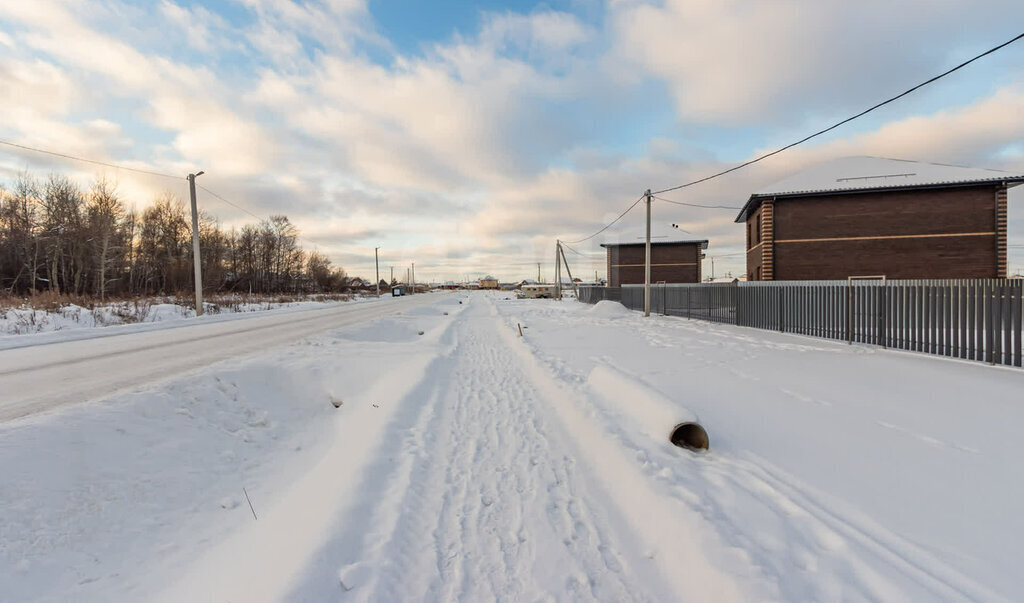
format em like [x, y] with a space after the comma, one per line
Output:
[971, 319]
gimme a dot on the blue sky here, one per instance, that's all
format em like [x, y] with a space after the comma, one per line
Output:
[467, 136]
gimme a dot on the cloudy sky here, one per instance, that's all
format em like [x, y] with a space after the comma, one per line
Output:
[466, 137]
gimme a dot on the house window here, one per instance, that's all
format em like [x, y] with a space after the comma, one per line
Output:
[750, 237]
[758, 227]
[757, 273]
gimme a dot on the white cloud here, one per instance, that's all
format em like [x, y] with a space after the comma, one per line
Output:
[734, 61]
[205, 30]
[467, 158]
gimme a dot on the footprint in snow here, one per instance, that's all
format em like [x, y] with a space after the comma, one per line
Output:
[353, 575]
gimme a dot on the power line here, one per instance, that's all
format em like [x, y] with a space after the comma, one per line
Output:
[608, 225]
[696, 205]
[93, 161]
[847, 120]
[123, 167]
[236, 206]
[576, 252]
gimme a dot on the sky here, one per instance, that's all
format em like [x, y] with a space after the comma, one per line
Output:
[468, 137]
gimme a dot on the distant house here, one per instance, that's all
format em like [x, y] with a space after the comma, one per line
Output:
[868, 216]
[488, 282]
[674, 259]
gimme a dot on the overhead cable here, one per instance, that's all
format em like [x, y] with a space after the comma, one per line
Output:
[608, 225]
[847, 120]
[239, 207]
[123, 167]
[696, 204]
[93, 161]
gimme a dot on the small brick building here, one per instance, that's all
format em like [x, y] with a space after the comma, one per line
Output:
[868, 216]
[672, 261]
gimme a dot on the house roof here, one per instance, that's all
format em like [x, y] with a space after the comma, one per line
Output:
[661, 234]
[702, 242]
[862, 174]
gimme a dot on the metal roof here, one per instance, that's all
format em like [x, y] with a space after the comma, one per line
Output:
[661, 233]
[702, 242]
[862, 174]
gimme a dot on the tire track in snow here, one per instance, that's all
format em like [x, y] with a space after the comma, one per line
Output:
[810, 549]
[488, 502]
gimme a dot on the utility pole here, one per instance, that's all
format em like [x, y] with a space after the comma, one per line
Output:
[538, 273]
[414, 278]
[647, 258]
[196, 260]
[376, 263]
[569, 272]
[558, 271]
[392, 275]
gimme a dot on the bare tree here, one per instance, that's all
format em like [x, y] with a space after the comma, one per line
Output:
[105, 212]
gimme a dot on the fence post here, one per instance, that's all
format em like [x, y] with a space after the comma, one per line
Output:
[884, 303]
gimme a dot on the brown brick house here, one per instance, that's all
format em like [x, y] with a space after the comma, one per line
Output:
[866, 216]
[673, 260]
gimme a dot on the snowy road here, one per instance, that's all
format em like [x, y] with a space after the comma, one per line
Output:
[466, 463]
[43, 377]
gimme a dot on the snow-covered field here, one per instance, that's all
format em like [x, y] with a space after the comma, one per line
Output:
[26, 320]
[434, 454]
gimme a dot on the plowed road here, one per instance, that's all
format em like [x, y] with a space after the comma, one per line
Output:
[38, 378]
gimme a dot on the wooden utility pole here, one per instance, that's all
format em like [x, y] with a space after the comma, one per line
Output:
[196, 260]
[569, 272]
[647, 258]
[558, 272]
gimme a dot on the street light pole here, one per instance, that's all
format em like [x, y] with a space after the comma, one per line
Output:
[196, 260]
[376, 263]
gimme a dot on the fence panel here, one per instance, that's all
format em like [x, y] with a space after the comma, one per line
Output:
[978, 319]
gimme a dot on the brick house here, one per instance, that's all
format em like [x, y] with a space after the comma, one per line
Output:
[866, 216]
[673, 259]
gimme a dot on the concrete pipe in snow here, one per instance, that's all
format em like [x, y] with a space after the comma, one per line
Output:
[690, 435]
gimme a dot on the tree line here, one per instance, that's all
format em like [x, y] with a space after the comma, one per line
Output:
[56, 236]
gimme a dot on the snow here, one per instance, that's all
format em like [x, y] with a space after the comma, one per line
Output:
[609, 309]
[471, 463]
[23, 320]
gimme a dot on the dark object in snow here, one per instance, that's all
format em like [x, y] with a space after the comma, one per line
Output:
[460, 303]
[376, 406]
[446, 314]
[336, 402]
[421, 332]
[691, 436]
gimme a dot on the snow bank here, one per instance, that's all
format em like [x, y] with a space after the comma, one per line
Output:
[654, 414]
[106, 500]
[609, 309]
[29, 321]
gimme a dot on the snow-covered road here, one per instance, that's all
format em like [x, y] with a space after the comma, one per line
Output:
[466, 463]
[41, 377]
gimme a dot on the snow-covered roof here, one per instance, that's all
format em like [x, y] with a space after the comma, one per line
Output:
[660, 234]
[488, 278]
[873, 173]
